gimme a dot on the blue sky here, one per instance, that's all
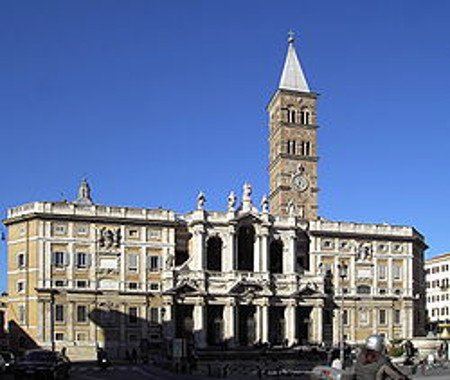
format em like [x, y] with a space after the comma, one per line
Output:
[156, 100]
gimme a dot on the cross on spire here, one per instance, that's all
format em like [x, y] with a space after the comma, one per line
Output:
[291, 37]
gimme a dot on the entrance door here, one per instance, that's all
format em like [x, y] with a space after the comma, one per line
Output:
[184, 323]
[302, 321]
[276, 325]
[246, 325]
[214, 326]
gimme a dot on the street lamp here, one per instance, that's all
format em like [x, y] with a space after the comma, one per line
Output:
[343, 273]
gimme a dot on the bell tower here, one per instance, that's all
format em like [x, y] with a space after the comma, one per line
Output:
[293, 143]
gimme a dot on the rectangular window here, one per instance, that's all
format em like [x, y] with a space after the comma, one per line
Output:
[81, 313]
[80, 337]
[132, 285]
[59, 313]
[132, 315]
[382, 272]
[59, 259]
[153, 234]
[59, 229]
[20, 286]
[21, 316]
[154, 286]
[153, 263]
[397, 272]
[82, 260]
[154, 315]
[21, 260]
[363, 317]
[81, 283]
[59, 283]
[397, 317]
[345, 319]
[59, 336]
[133, 262]
[382, 316]
[133, 234]
[82, 229]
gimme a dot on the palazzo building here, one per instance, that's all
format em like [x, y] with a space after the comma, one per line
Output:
[437, 271]
[83, 275]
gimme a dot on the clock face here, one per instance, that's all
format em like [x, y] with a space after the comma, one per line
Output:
[299, 182]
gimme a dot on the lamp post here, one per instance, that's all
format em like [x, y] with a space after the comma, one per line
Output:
[343, 273]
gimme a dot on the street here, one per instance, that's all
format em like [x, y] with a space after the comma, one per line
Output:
[90, 371]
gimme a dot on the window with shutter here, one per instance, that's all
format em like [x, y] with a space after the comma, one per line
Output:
[59, 259]
[133, 262]
[153, 263]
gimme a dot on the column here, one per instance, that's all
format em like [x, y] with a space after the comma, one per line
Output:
[408, 276]
[264, 250]
[389, 276]
[199, 243]
[41, 322]
[123, 262]
[317, 323]
[264, 323]
[289, 262]
[258, 323]
[289, 317]
[123, 323]
[69, 324]
[257, 254]
[93, 326]
[199, 325]
[229, 318]
[228, 256]
[375, 320]
[48, 320]
[143, 268]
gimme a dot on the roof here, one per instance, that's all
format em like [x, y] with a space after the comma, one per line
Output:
[441, 257]
[292, 77]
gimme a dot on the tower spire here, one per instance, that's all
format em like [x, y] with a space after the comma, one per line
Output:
[292, 77]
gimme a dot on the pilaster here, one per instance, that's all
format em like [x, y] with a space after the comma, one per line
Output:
[229, 312]
[199, 325]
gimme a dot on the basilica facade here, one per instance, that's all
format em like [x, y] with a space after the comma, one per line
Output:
[82, 275]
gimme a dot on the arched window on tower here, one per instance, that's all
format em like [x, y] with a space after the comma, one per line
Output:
[290, 147]
[305, 116]
[276, 256]
[292, 115]
[245, 254]
[214, 254]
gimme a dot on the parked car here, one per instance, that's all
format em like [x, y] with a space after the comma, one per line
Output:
[9, 359]
[42, 363]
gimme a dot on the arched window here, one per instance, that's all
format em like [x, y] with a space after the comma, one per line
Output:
[182, 238]
[292, 115]
[214, 253]
[302, 251]
[305, 116]
[246, 238]
[276, 257]
[290, 147]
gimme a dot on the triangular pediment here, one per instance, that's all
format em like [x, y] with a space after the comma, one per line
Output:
[249, 217]
[184, 289]
[246, 286]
